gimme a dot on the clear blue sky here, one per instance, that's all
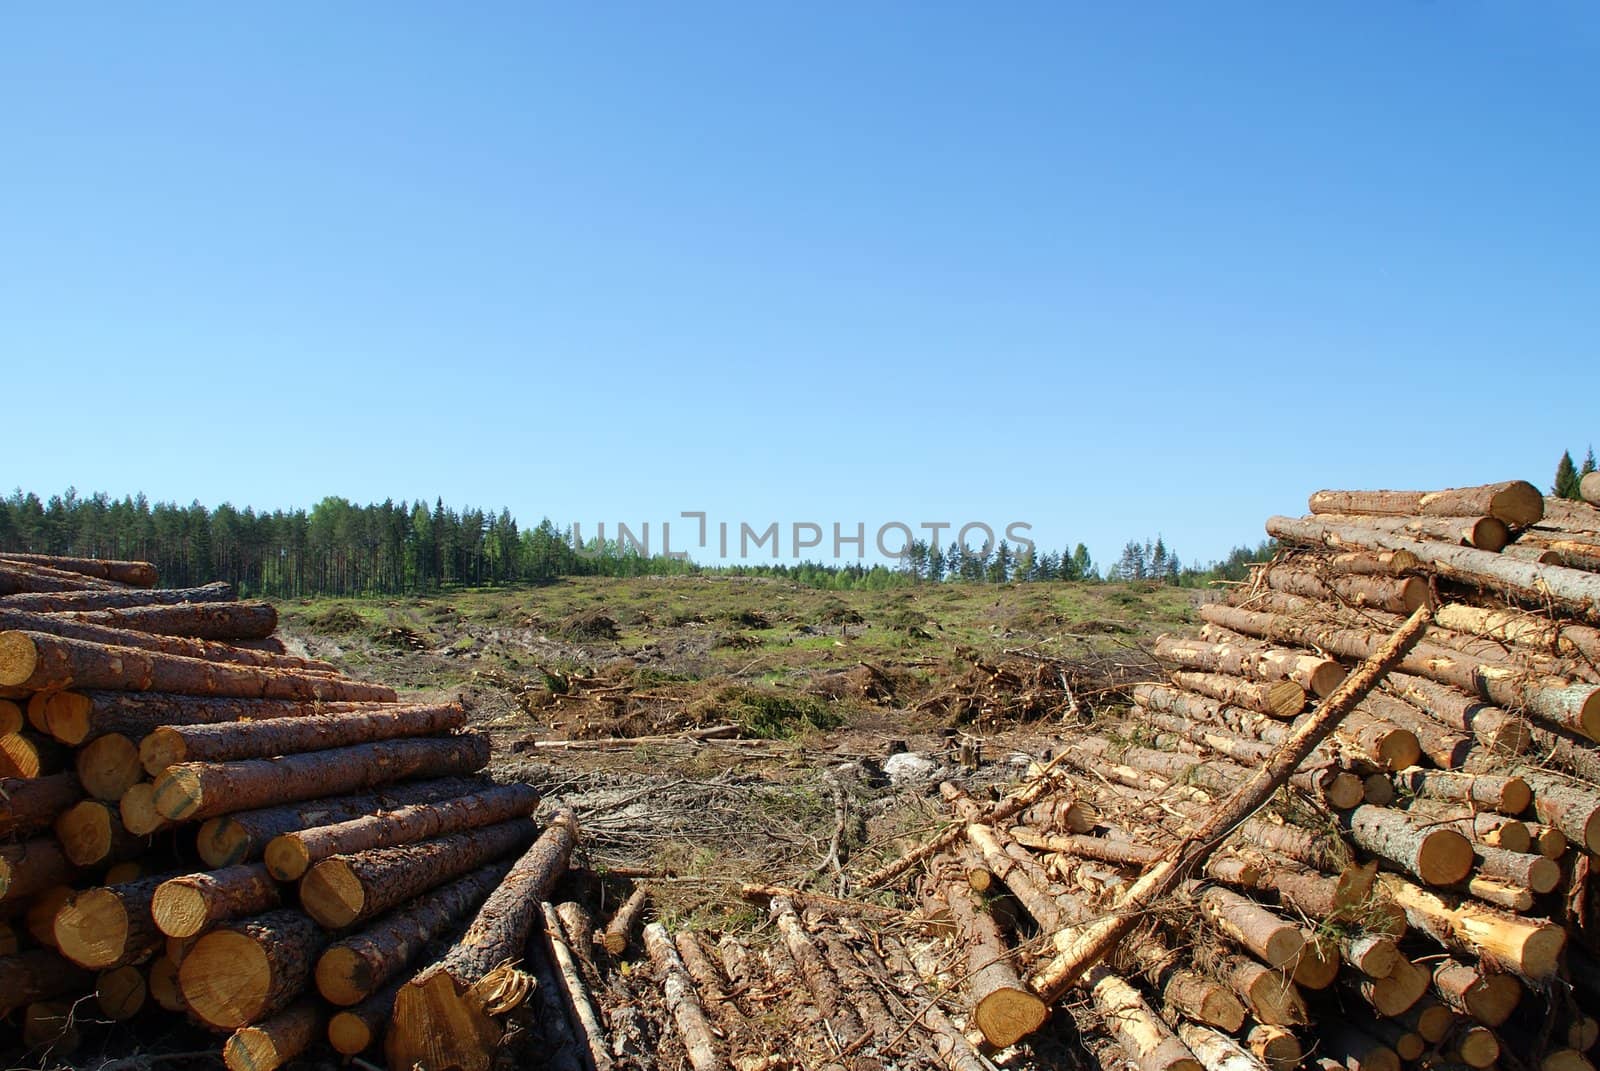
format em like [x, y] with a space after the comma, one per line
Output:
[1110, 269]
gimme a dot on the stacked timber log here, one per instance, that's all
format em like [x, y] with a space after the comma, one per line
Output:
[198, 822]
[1415, 888]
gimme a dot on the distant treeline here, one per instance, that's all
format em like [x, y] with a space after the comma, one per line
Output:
[339, 548]
[1569, 476]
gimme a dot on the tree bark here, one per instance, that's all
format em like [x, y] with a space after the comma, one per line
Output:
[194, 791]
[447, 1016]
[230, 621]
[127, 573]
[28, 804]
[1271, 996]
[170, 745]
[1529, 948]
[1395, 595]
[584, 1018]
[109, 927]
[1456, 709]
[1149, 1042]
[45, 663]
[690, 1019]
[1516, 502]
[819, 979]
[1254, 661]
[1445, 748]
[187, 905]
[1488, 998]
[32, 866]
[1571, 808]
[75, 718]
[290, 855]
[72, 601]
[1076, 952]
[1279, 699]
[353, 968]
[1523, 629]
[1435, 854]
[247, 970]
[273, 1043]
[1271, 939]
[1217, 1051]
[182, 646]
[1003, 1009]
[619, 931]
[1570, 706]
[349, 889]
[20, 578]
[1571, 590]
[244, 835]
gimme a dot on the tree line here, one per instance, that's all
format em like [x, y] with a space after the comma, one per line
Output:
[340, 548]
[1569, 476]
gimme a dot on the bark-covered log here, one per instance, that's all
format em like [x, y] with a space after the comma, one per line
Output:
[12, 719]
[1122, 853]
[355, 1029]
[290, 855]
[246, 970]
[127, 573]
[1516, 502]
[186, 905]
[1570, 807]
[1482, 827]
[274, 1042]
[1274, 1046]
[1571, 590]
[1435, 854]
[1271, 996]
[1280, 699]
[694, 1030]
[1200, 997]
[1361, 563]
[1061, 813]
[171, 745]
[1507, 795]
[31, 803]
[585, 1020]
[38, 974]
[1396, 992]
[819, 980]
[1395, 595]
[1455, 709]
[1254, 661]
[162, 982]
[1532, 872]
[442, 1019]
[619, 931]
[1523, 629]
[353, 968]
[1571, 706]
[1217, 1051]
[1530, 948]
[1485, 996]
[44, 662]
[234, 622]
[76, 718]
[66, 601]
[1003, 1009]
[244, 835]
[110, 926]
[32, 866]
[1488, 534]
[19, 578]
[91, 833]
[192, 791]
[1149, 1042]
[1270, 938]
[1445, 748]
[350, 889]
[186, 647]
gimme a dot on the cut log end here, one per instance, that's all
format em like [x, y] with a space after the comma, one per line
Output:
[91, 928]
[349, 1034]
[1008, 1015]
[179, 910]
[138, 810]
[1286, 698]
[343, 977]
[437, 1025]
[287, 858]
[161, 748]
[332, 894]
[1325, 678]
[178, 793]
[225, 979]
[121, 992]
[18, 657]
[1444, 857]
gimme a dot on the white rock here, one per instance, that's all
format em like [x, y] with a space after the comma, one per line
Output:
[907, 767]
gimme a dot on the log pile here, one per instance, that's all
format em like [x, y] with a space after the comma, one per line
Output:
[198, 823]
[1417, 890]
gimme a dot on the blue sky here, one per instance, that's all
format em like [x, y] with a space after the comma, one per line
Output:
[1112, 270]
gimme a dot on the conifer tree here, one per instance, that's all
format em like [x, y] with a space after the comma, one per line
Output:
[1567, 479]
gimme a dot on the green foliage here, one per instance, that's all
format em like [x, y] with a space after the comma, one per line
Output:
[772, 714]
[1567, 478]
